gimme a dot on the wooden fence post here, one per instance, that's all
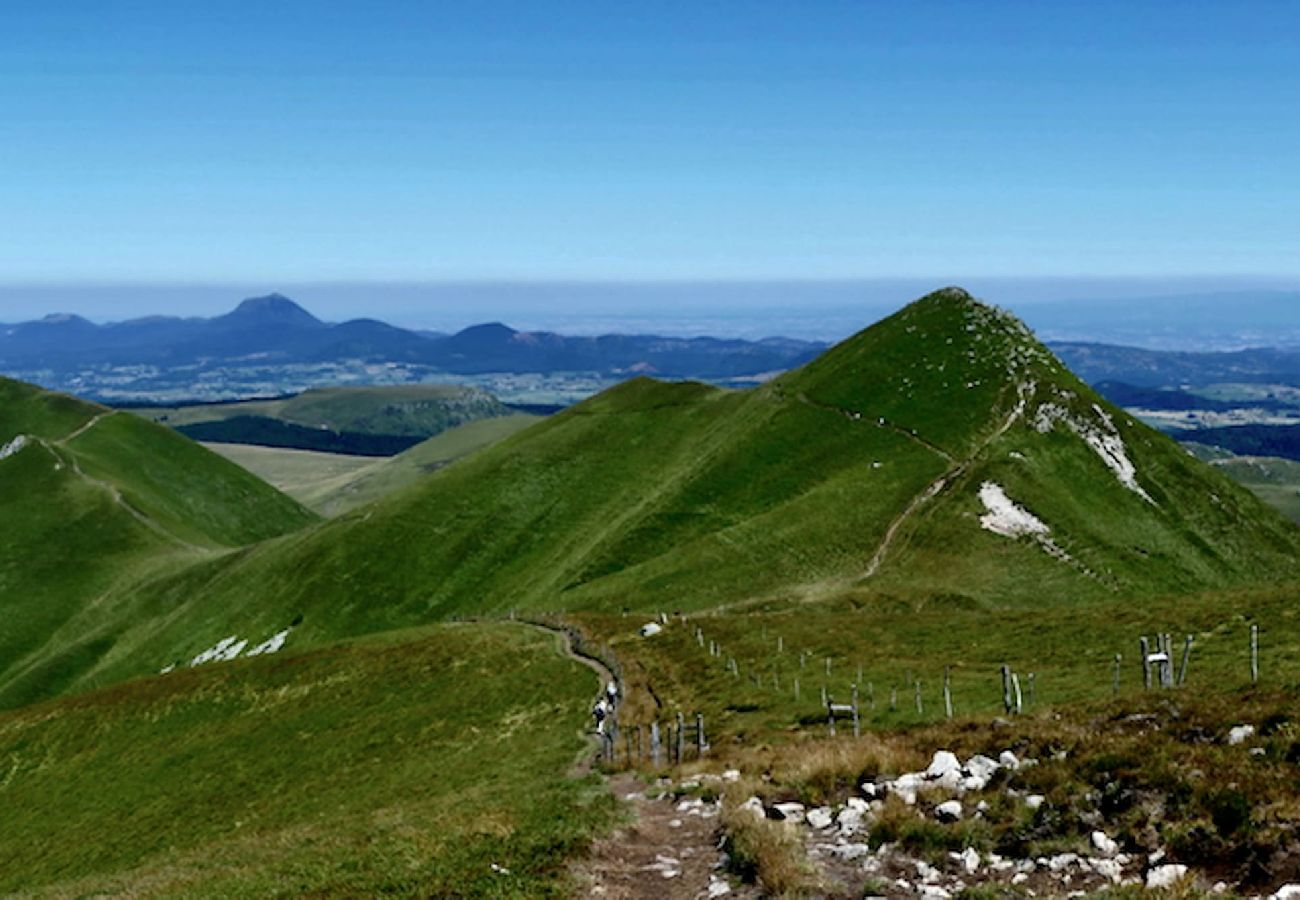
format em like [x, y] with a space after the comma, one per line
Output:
[681, 737]
[654, 742]
[830, 714]
[857, 727]
[919, 709]
[828, 667]
[1006, 688]
[1254, 654]
[1015, 689]
[700, 743]
[1182, 666]
[1114, 687]
[1145, 649]
[947, 691]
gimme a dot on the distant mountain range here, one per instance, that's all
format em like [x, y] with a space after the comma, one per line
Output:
[271, 345]
[275, 330]
[1096, 363]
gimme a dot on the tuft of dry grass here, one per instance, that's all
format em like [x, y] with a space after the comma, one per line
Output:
[767, 853]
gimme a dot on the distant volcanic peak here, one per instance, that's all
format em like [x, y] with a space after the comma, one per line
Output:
[273, 309]
[64, 319]
[484, 336]
[488, 331]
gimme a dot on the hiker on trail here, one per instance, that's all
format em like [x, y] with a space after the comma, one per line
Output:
[599, 712]
[611, 694]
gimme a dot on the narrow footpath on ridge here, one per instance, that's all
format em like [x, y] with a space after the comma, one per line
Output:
[669, 847]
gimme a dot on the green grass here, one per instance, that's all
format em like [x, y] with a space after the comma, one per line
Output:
[406, 409]
[657, 496]
[189, 490]
[377, 766]
[895, 641]
[302, 474]
[95, 503]
[393, 766]
[27, 410]
[1275, 481]
[332, 483]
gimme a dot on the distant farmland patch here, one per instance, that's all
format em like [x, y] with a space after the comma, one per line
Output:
[265, 432]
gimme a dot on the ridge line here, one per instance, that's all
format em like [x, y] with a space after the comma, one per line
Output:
[1023, 390]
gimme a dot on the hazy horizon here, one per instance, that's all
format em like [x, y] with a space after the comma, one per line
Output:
[807, 309]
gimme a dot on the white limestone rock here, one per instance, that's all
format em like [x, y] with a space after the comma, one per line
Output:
[980, 766]
[1239, 734]
[1103, 844]
[1165, 876]
[820, 818]
[944, 761]
[949, 811]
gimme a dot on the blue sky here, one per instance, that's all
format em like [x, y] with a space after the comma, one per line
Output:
[275, 144]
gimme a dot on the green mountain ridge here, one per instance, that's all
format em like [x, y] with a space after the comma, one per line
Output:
[373, 420]
[90, 502]
[332, 483]
[886, 468]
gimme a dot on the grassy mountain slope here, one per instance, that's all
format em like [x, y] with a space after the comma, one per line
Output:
[865, 469]
[1274, 480]
[332, 483]
[413, 410]
[90, 502]
[377, 767]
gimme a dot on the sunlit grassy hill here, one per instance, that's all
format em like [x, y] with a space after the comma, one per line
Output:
[90, 502]
[424, 764]
[331, 483]
[374, 420]
[942, 451]
[932, 498]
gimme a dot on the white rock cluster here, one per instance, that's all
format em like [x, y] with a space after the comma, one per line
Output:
[1239, 734]
[1006, 517]
[13, 446]
[1101, 436]
[233, 647]
[836, 837]
[948, 773]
